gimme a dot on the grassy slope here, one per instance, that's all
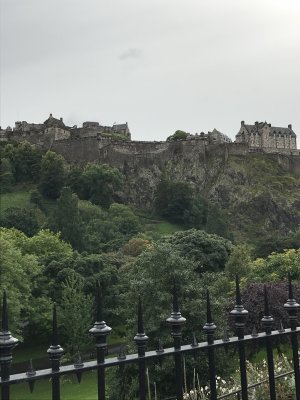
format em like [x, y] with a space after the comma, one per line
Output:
[19, 198]
[70, 389]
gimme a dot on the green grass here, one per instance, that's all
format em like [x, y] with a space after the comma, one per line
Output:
[165, 228]
[70, 389]
[23, 354]
[15, 199]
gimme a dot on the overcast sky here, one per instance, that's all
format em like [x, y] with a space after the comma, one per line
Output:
[161, 65]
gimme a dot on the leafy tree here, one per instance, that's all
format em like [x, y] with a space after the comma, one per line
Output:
[276, 266]
[18, 272]
[267, 245]
[173, 199]
[6, 175]
[209, 252]
[152, 277]
[178, 135]
[239, 261]
[25, 159]
[217, 222]
[196, 216]
[46, 244]
[98, 183]
[52, 176]
[75, 313]
[66, 219]
[126, 221]
[22, 219]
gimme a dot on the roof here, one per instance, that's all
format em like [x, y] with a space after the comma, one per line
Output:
[51, 121]
[256, 128]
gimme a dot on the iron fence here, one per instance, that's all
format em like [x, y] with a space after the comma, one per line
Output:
[142, 358]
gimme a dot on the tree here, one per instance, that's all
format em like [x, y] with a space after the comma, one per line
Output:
[152, 277]
[6, 175]
[276, 266]
[126, 221]
[173, 199]
[66, 219]
[18, 272]
[75, 314]
[22, 219]
[209, 252]
[98, 183]
[25, 159]
[178, 135]
[239, 261]
[52, 175]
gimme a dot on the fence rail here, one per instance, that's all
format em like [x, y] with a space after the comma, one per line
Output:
[101, 330]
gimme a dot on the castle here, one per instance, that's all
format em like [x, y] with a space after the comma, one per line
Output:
[113, 145]
[59, 131]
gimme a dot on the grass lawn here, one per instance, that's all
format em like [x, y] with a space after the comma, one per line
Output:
[19, 198]
[165, 228]
[70, 389]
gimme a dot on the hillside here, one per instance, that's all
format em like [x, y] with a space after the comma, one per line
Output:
[259, 193]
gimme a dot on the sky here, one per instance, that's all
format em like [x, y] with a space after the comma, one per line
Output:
[160, 65]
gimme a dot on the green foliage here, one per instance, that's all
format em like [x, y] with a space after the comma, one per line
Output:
[208, 252]
[98, 183]
[173, 200]
[66, 219]
[239, 261]
[151, 276]
[25, 160]
[107, 230]
[52, 175]
[23, 219]
[75, 314]
[17, 198]
[178, 135]
[46, 243]
[6, 175]
[275, 243]
[276, 266]
[18, 272]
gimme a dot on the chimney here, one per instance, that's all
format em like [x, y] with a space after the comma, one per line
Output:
[242, 123]
[61, 119]
[256, 123]
[50, 115]
[290, 126]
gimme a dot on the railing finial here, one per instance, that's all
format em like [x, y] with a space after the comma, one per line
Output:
[208, 308]
[140, 317]
[4, 313]
[99, 304]
[238, 298]
[54, 327]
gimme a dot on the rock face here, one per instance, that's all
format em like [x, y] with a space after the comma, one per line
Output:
[260, 193]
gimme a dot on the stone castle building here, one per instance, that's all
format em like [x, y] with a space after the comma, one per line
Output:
[265, 136]
[92, 141]
[57, 130]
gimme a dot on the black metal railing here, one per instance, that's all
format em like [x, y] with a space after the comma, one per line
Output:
[142, 358]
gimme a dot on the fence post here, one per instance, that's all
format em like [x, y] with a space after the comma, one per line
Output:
[55, 353]
[176, 321]
[209, 329]
[100, 331]
[7, 344]
[267, 322]
[141, 340]
[292, 307]
[240, 314]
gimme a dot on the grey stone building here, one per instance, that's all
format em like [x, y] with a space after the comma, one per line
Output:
[265, 136]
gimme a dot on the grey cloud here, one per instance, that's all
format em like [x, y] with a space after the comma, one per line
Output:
[131, 54]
